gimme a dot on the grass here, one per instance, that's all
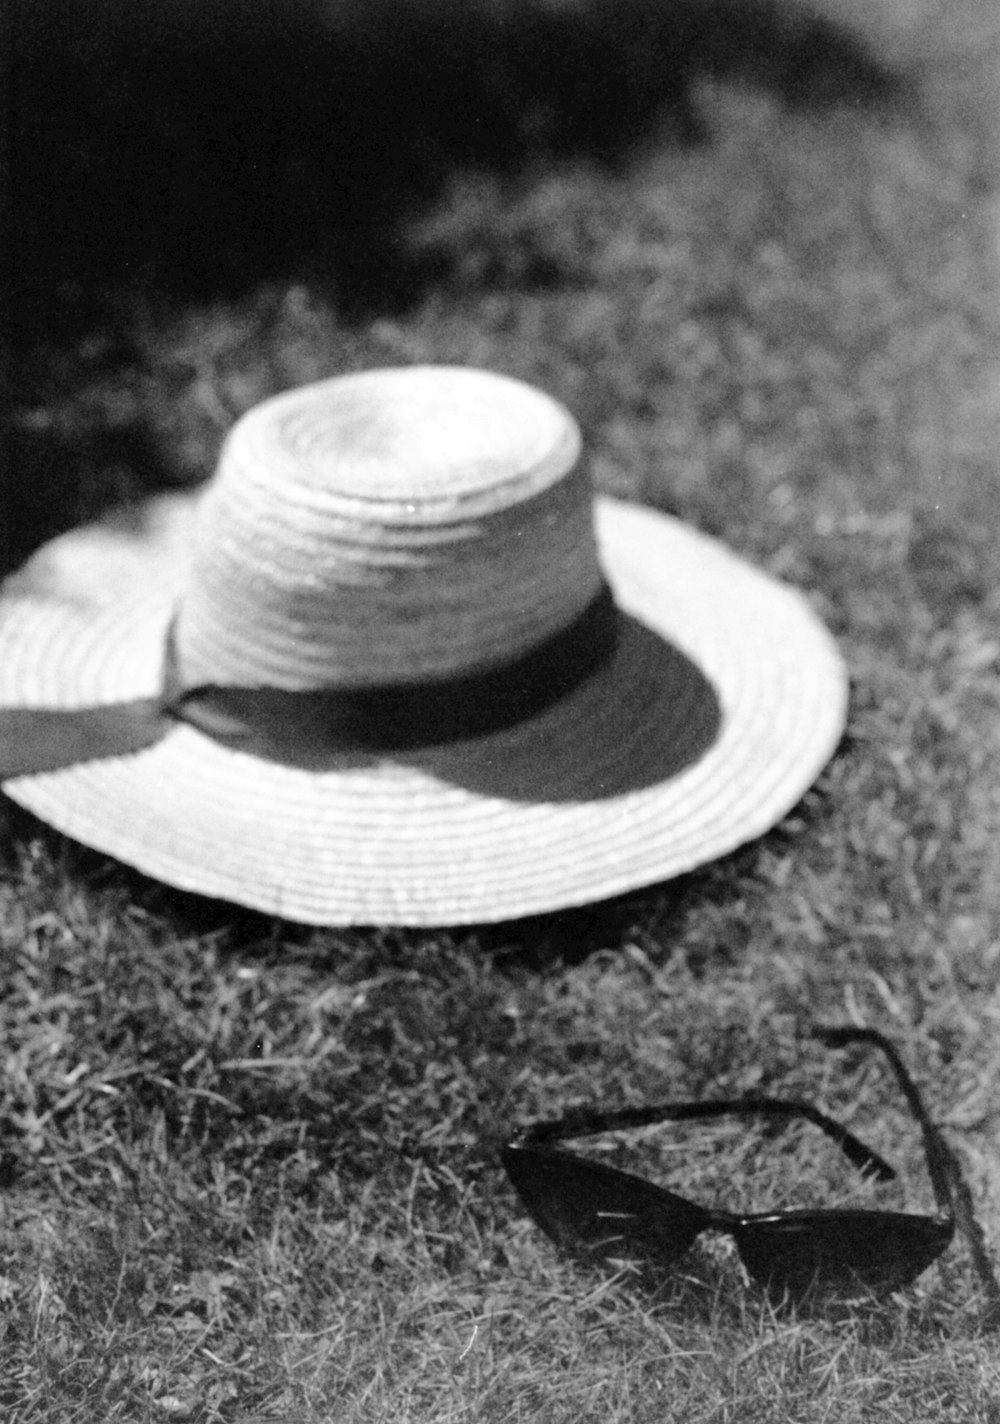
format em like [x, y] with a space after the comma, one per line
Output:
[248, 1169]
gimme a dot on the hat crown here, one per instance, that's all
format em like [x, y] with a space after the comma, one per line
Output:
[388, 527]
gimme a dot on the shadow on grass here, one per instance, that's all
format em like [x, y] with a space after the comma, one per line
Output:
[167, 154]
[205, 149]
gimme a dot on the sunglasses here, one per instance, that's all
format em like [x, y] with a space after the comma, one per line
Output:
[599, 1213]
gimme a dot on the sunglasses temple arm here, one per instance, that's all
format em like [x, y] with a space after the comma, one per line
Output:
[942, 1166]
[951, 1191]
[588, 1121]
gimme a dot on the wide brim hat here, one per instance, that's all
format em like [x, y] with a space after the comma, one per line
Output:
[398, 665]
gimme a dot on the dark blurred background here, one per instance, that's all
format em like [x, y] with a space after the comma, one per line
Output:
[202, 145]
[175, 152]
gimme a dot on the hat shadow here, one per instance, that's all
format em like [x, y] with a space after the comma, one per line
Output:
[649, 715]
[645, 716]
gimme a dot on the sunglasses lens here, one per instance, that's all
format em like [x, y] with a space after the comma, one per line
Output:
[599, 1212]
[839, 1252]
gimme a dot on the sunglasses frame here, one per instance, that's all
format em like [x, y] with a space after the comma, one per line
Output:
[615, 1215]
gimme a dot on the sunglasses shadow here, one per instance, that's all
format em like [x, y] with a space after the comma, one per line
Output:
[709, 1285]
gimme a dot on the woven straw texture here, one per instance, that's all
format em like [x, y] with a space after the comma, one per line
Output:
[725, 699]
[388, 526]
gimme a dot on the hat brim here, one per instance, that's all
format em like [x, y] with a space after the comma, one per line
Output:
[725, 699]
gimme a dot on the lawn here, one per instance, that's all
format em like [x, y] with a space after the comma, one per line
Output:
[249, 1170]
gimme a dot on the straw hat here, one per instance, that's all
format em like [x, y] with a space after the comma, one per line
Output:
[382, 670]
